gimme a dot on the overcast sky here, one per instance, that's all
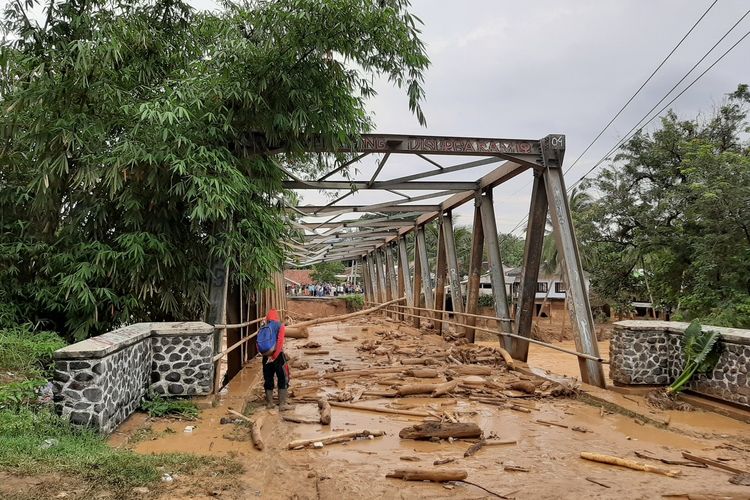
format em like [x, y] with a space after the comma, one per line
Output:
[527, 69]
[507, 68]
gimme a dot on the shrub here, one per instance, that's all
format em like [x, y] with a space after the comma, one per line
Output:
[27, 353]
[486, 301]
[157, 406]
[354, 302]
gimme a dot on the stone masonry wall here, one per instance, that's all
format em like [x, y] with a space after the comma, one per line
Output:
[182, 366]
[650, 352]
[100, 382]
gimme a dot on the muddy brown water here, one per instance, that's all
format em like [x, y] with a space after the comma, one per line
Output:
[357, 469]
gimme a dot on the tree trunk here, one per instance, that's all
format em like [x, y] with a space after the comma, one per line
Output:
[441, 430]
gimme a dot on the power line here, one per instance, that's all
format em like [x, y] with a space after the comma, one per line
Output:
[642, 86]
[666, 58]
[640, 124]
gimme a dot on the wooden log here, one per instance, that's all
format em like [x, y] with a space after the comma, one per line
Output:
[343, 317]
[411, 413]
[472, 370]
[365, 372]
[418, 361]
[714, 463]
[523, 386]
[315, 352]
[547, 422]
[474, 448]
[325, 412]
[409, 389]
[311, 373]
[500, 443]
[441, 430]
[422, 373]
[294, 332]
[434, 475]
[343, 339]
[443, 389]
[630, 464]
[255, 433]
[299, 420]
[381, 394]
[333, 438]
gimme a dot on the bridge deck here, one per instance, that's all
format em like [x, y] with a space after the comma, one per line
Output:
[357, 469]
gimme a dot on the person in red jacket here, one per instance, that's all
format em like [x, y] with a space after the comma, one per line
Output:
[276, 364]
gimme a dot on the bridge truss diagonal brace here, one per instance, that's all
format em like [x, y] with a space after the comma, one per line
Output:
[562, 222]
[532, 259]
[497, 276]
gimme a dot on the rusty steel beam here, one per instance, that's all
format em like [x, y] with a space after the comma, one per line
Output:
[532, 259]
[475, 273]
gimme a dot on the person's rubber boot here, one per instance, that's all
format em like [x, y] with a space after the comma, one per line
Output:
[283, 405]
[269, 399]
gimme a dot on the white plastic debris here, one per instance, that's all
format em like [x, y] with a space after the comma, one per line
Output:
[166, 478]
[318, 444]
[49, 443]
[189, 428]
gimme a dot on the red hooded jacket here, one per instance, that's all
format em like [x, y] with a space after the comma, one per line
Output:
[273, 315]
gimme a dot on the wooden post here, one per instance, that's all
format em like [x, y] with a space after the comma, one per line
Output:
[234, 335]
[425, 269]
[440, 271]
[217, 312]
[392, 281]
[475, 271]
[417, 291]
[366, 279]
[532, 258]
[553, 150]
[497, 276]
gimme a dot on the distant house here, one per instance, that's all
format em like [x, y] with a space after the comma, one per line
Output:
[297, 277]
[550, 287]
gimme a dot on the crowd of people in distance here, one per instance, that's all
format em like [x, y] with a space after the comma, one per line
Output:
[323, 290]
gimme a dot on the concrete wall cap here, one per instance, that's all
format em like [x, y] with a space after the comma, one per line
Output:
[110, 342]
[733, 335]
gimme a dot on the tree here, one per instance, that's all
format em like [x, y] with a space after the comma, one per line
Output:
[141, 141]
[671, 213]
[325, 272]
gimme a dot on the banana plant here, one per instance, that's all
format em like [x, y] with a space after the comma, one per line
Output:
[701, 351]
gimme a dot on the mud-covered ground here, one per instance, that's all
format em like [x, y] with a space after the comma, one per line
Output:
[543, 463]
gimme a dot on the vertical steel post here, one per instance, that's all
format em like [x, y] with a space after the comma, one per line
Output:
[404, 273]
[429, 300]
[532, 259]
[383, 290]
[497, 276]
[417, 289]
[440, 272]
[475, 272]
[553, 150]
[392, 281]
[373, 277]
[454, 273]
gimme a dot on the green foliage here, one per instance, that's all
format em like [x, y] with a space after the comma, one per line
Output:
[82, 453]
[157, 406]
[669, 219]
[143, 141]
[19, 394]
[27, 353]
[700, 350]
[354, 302]
[325, 272]
[486, 301]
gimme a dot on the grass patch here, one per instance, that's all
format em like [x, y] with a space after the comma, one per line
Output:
[354, 302]
[27, 353]
[157, 406]
[83, 453]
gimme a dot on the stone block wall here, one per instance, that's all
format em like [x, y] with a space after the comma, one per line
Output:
[650, 353]
[182, 366]
[100, 382]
